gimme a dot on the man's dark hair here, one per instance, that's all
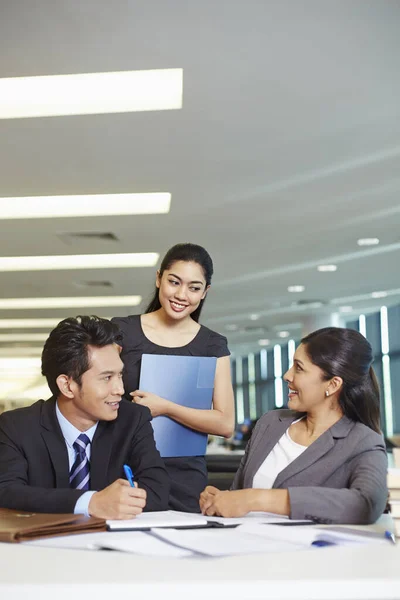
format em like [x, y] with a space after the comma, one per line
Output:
[66, 349]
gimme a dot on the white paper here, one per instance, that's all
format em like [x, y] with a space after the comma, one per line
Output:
[223, 542]
[83, 541]
[307, 535]
[165, 518]
[136, 542]
[254, 537]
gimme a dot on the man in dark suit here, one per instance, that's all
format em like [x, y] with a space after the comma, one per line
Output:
[66, 454]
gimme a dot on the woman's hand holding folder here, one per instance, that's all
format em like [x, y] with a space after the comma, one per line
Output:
[158, 406]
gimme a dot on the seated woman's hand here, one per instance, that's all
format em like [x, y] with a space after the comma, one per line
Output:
[207, 497]
[226, 504]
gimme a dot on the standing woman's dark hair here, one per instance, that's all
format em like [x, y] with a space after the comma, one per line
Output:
[186, 252]
[347, 354]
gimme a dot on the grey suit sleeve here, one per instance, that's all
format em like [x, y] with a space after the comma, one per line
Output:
[15, 491]
[362, 502]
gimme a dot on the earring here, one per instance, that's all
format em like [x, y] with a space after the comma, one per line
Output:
[327, 393]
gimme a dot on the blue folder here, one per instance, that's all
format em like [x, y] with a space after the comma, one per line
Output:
[185, 380]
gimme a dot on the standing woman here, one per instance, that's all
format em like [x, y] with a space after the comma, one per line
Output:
[170, 326]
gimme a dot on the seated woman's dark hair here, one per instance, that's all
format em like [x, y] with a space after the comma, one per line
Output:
[347, 354]
[186, 252]
[66, 349]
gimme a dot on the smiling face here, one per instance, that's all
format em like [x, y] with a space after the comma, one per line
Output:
[181, 289]
[307, 386]
[99, 395]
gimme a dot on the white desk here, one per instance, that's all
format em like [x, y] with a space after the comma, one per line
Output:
[367, 572]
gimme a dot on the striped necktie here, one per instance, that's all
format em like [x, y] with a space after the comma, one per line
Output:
[80, 471]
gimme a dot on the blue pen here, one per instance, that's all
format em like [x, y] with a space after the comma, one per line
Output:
[129, 475]
[322, 543]
[390, 536]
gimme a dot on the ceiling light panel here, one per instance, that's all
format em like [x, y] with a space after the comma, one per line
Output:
[345, 309]
[361, 297]
[8, 351]
[31, 323]
[327, 268]
[368, 241]
[23, 337]
[73, 302]
[28, 323]
[93, 205]
[90, 93]
[19, 365]
[78, 261]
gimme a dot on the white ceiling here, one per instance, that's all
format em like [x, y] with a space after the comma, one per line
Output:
[286, 151]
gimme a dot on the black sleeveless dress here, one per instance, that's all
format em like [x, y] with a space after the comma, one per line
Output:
[188, 474]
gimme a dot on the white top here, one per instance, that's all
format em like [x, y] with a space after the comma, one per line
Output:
[281, 455]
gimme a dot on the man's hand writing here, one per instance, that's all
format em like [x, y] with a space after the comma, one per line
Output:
[118, 501]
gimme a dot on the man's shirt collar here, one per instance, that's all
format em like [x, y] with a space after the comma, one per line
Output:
[69, 431]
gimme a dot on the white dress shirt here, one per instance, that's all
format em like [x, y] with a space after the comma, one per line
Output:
[281, 455]
[70, 434]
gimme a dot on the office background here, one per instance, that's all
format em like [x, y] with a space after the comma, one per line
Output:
[259, 386]
[283, 161]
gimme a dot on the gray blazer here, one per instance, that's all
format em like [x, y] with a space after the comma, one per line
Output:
[339, 478]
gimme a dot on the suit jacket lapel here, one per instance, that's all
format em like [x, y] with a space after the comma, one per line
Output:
[54, 440]
[315, 451]
[264, 444]
[100, 456]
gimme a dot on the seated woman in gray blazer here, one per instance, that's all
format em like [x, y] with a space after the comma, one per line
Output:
[325, 458]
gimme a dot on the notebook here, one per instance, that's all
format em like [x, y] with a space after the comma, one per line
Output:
[156, 519]
[185, 380]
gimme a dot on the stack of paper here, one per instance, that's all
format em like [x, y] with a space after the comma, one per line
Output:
[306, 536]
[225, 541]
[183, 520]
[180, 535]
[254, 538]
[134, 542]
[393, 481]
